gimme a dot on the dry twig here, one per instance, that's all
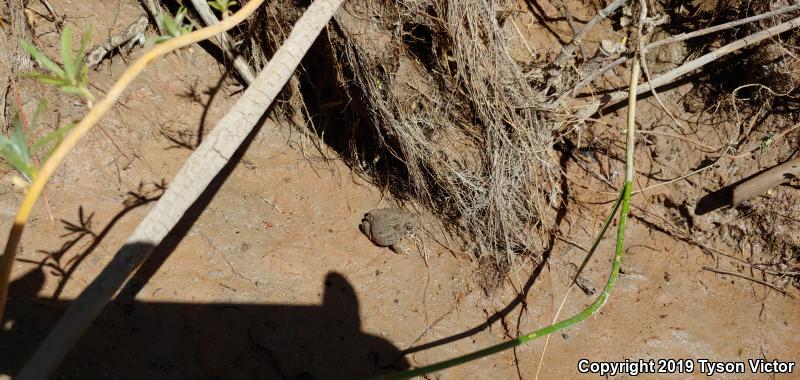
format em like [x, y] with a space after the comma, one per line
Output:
[242, 68]
[767, 284]
[678, 38]
[695, 64]
[187, 186]
[568, 51]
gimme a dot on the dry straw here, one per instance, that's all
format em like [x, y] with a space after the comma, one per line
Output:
[437, 81]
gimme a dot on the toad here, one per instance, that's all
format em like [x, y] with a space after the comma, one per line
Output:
[389, 227]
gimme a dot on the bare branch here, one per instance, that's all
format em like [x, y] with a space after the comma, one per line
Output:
[720, 27]
[569, 50]
[695, 64]
[681, 37]
[242, 68]
[187, 186]
[759, 184]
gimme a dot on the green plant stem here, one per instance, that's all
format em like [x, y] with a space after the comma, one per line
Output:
[612, 278]
[599, 237]
[522, 339]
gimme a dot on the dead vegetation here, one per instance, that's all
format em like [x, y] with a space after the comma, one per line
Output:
[459, 125]
[427, 100]
[424, 99]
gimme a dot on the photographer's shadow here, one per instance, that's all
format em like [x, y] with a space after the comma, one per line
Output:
[133, 339]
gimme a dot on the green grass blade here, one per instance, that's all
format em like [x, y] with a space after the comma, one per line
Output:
[84, 75]
[3, 142]
[19, 140]
[11, 153]
[46, 79]
[42, 59]
[35, 119]
[67, 60]
[16, 160]
[522, 339]
[80, 91]
[58, 138]
[169, 25]
[599, 237]
[79, 57]
[54, 136]
[179, 17]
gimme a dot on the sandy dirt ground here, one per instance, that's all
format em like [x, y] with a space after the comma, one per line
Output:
[270, 277]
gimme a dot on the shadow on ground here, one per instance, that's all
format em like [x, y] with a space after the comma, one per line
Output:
[134, 339]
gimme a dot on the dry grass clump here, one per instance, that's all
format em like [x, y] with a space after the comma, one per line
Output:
[451, 106]
[424, 98]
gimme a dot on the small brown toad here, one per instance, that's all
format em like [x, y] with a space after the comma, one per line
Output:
[389, 227]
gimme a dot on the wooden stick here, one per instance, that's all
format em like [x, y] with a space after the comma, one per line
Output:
[154, 9]
[727, 25]
[189, 183]
[569, 50]
[678, 38]
[695, 64]
[241, 67]
[765, 181]
[720, 271]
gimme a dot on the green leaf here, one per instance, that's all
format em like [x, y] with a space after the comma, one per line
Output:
[179, 17]
[3, 142]
[47, 79]
[19, 140]
[79, 58]
[84, 75]
[221, 5]
[14, 157]
[41, 58]
[70, 70]
[169, 25]
[55, 136]
[74, 90]
[35, 119]
[15, 161]
[33, 171]
[161, 39]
